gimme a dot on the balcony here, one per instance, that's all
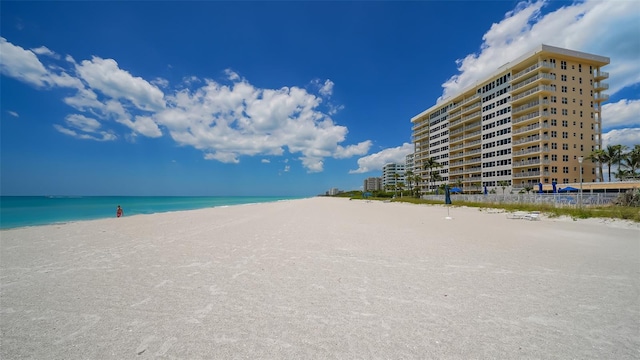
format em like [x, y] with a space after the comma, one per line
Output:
[456, 172]
[472, 98]
[529, 117]
[600, 97]
[526, 174]
[471, 108]
[522, 163]
[532, 80]
[471, 135]
[456, 164]
[532, 150]
[474, 115]
[457, 147]
[533, 104]
[472, 152]
[472, 143]
[535, 66]
[527, 139]
[455, 132]
[453, 124]
[455, 156]
[472, 179]
[455, 140]
[472, 126]
[527, 128]
[531, 92]
[601, 75]
[599, 86]
[475, 169]
[472, 161]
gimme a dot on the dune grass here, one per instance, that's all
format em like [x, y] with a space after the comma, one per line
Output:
[611, 211]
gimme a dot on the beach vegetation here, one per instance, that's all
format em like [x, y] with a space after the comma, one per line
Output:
[627, 210]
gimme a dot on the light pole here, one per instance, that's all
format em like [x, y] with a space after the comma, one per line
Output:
[580, 160]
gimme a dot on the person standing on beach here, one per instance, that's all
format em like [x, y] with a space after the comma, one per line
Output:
[119, 211]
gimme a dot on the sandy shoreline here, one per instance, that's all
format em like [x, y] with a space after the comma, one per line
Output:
[321, 278]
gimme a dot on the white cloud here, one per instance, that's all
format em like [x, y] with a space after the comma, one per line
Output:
[13, 113]
[82, 127]
[325, 89]
[627, 136]
[287, 168]
[375, 162]
[21, 64]
[593, 26]
[227, 121]
[105, 76]
[265, 161]
[622, 113]
[82, 122]
[43, 50]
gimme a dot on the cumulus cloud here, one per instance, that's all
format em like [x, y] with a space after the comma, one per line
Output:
[628, 136]
[622, 113]
[575, 26]
[225, 120]
[375, 162]
[105, 76]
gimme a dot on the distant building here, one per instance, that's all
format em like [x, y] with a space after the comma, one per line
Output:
[389, 172]
[409, 163]
[333, 191]
[372, 184]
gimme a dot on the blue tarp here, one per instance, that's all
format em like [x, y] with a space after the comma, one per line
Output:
[568, 189]
[456, 190]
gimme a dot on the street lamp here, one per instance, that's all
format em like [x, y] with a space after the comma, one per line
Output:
[580, 160]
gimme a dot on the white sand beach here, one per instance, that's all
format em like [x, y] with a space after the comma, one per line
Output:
[321, 278]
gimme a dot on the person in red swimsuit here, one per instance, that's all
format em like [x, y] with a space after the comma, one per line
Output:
[119, 211]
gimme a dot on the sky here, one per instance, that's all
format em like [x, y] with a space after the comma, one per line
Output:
[264, 98]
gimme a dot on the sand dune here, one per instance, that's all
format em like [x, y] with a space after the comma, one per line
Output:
[321, 278]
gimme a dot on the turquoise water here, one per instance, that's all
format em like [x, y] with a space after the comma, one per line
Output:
[18, 211]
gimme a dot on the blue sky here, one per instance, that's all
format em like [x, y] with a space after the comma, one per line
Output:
[263, 98]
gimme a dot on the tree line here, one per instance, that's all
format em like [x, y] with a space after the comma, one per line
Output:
[628, 161]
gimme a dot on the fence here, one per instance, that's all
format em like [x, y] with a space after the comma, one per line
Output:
[555, 200]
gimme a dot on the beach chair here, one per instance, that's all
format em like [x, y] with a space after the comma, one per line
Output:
[532, 216]
[517, 215]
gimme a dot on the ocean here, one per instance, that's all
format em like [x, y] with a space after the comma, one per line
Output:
[19, 211]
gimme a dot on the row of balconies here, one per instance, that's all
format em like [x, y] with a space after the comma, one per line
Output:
[530, 127]
[530, 138]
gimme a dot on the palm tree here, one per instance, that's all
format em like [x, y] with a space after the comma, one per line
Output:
[400, 186]
[430, 164]
[408, 176]
[613, 155]
[620, 154]
[631, 161]
[503, 184]
[598, 156]
[395, 182]
[417, 180]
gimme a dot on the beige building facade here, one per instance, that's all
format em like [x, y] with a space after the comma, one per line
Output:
[527, 123]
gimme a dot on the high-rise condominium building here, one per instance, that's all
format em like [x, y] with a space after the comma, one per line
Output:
[389, 172]
[527, 123]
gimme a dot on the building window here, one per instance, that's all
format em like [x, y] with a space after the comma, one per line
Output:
[565, 169]
[564, 100]
[554, 169]
[565, 123]
[554, 157]
[554, 146]
[565, 158]
[565, 146]
[565, 135]
[563, 65]
[565, 112]
[563, 89]
[563, 77]
[554, 122]
[554, 134]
